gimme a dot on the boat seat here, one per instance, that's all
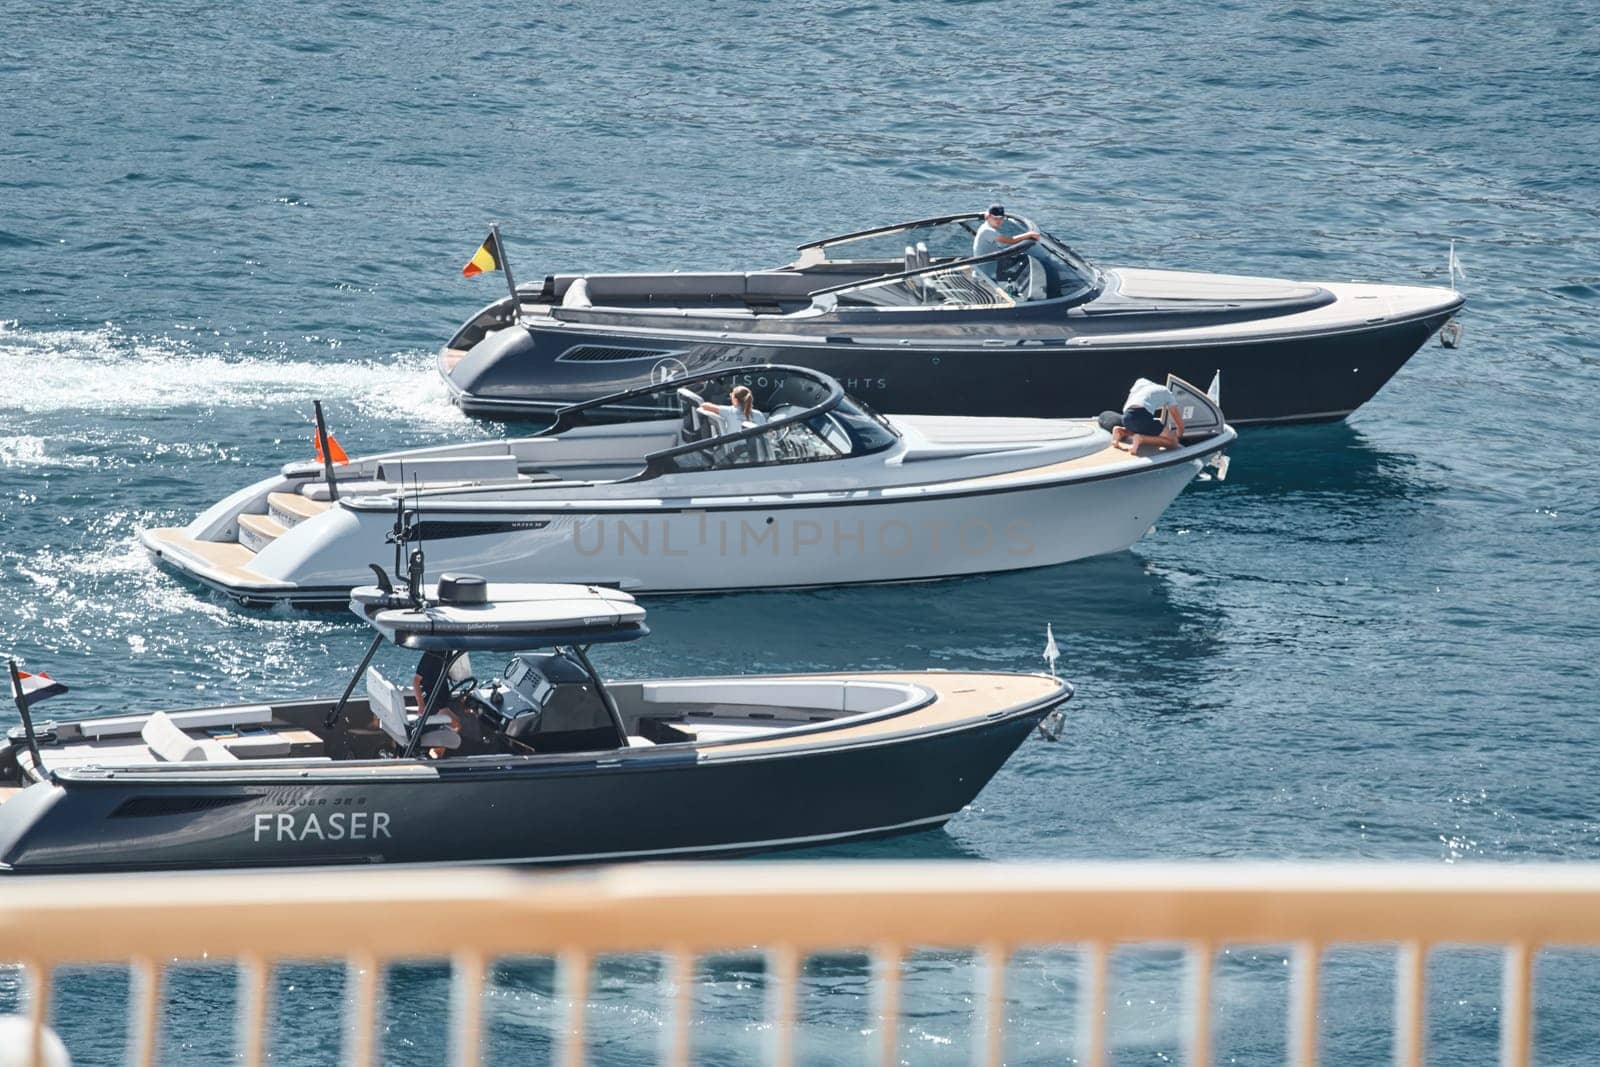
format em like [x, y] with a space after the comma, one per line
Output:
[434, 469]
[353, 487]
[389, 708]
[170, 744]
[577, 295]
[388, 705]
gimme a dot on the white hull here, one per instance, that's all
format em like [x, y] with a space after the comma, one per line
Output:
[949, 497]
[665, 549]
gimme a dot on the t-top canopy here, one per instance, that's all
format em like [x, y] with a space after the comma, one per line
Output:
[512, 617]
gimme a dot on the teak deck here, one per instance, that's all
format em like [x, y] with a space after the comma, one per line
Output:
[960, 696]
[228, 558]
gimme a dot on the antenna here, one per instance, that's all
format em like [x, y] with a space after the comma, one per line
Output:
[415, 564]
[398, 534]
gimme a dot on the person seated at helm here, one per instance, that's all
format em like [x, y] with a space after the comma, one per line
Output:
[431, 673]
[989, 238]
[1142, 418]
[740, 409]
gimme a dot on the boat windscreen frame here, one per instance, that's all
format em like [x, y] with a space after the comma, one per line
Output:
[880, 231]
[564, 419]
[658, 462]
[1091, 288]
[1092, 275]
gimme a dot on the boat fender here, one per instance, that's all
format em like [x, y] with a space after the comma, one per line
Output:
[1110, 420]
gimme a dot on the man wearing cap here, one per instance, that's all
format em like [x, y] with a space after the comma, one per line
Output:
[990, 239]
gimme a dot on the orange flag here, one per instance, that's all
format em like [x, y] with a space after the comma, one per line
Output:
[334, 451]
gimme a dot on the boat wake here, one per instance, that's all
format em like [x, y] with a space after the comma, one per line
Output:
[110, 371]
[107, 601]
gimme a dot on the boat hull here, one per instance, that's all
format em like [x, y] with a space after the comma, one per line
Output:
[1290, 378]
[673, 546]
[670, 802]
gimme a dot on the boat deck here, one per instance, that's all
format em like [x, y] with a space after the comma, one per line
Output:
[959, 696]
[227, 559]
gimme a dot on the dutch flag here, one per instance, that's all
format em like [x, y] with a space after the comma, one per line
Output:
[36, 687]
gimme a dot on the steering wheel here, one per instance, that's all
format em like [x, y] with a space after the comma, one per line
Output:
[1013, 267]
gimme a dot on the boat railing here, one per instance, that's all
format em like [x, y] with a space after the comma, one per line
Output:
[791, 912]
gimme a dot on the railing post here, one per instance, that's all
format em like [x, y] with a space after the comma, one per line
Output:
[1200, 965]
[783, 976]
[1516, 1013]
[38, 975]
[572, 975]
[886, 962]
[144, 1010]
[680, 1011]
[993, 958]
[1304, 995]
[361, 981]
[1410, 1005]
[466, 1015]
[1092, 1003]
[255, 1008]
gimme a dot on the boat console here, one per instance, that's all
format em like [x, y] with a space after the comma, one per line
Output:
[549, 703]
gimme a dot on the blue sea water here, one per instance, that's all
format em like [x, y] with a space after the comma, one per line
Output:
[1377, 639]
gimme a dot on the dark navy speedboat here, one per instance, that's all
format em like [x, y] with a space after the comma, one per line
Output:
[541, 763]
[906, 318]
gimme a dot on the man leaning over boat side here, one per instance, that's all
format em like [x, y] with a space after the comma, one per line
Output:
[1144, 418]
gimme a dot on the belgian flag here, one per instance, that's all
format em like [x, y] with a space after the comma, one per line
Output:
[489, 256]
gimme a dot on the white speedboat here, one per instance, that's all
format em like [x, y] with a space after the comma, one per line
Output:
[647, 491]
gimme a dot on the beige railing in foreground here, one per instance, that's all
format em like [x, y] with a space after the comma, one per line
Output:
[792, 910]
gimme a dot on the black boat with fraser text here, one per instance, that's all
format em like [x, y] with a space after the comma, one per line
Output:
[910, 320]
[542, 762]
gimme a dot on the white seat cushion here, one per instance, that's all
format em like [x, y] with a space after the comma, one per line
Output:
[388, 705]
[169, 743]
[577, 295]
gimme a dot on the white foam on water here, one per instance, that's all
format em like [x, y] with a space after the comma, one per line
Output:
[106, 370]
[27, 450]
[107, 592]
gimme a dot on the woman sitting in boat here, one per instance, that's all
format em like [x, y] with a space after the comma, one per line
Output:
[1144, 421]
[741, 409]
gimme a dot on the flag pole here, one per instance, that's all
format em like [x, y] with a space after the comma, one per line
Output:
[27, 720]
[505, 267]
[327, 453]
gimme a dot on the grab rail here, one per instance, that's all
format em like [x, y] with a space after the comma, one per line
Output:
[793, 910]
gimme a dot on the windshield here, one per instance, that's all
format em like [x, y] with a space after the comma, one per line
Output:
[943, 238]
[969, 285]
[931, 249]
[743, 416]
[1033, 270]
[784, 430]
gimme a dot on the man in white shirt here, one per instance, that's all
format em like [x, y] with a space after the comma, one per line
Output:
[989, 237]
[1142, 422]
